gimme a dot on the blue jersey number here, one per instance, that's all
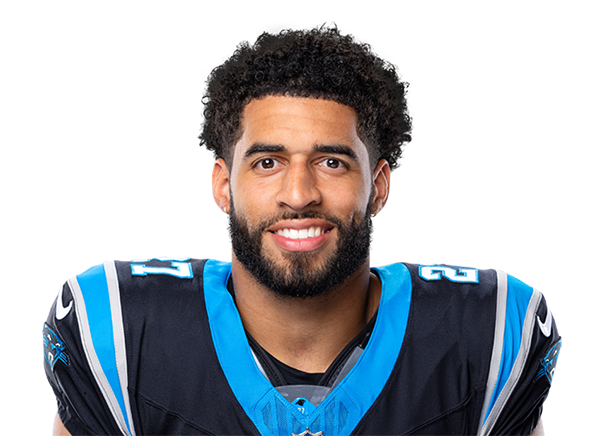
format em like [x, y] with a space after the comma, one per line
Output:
[460, 275]
[178, 268]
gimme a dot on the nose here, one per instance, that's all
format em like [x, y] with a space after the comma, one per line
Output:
[299, 189]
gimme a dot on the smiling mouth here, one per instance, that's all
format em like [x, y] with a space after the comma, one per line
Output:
[311, 232]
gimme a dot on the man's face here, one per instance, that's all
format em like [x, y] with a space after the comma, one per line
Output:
[300, 194]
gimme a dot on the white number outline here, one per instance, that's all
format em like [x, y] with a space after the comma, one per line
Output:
[179, 268]
[457, 275]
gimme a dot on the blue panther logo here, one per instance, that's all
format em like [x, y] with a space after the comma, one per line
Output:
[548, 363]
[54, 348]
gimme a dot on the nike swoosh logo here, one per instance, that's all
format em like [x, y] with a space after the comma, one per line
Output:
[546, 326]
[62, 311]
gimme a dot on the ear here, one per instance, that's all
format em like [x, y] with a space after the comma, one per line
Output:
[220, 185]
[381, 186]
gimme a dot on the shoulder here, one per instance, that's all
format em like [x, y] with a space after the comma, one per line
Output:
[499, 324]
[102, 324]
[486, 310]
[435, 285]
[93, 309]
[147, 272]
[468, 282]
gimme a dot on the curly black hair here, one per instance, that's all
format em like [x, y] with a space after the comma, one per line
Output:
[317, 63]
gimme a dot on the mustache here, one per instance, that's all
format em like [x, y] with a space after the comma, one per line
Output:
[260, 227]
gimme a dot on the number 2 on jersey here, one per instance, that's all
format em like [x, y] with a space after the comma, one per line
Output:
[460, 275]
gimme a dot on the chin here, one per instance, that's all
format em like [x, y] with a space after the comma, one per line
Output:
[302, 274]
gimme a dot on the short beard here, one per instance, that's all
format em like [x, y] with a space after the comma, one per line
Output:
[300, 277]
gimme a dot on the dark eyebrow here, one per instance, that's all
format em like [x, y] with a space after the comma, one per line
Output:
[263, 148]
[337, 149]
[260, 147]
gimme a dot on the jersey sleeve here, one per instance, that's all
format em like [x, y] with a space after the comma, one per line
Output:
[523, 361]
[74, 347]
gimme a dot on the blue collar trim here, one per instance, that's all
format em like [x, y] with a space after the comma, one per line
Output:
[341, 411]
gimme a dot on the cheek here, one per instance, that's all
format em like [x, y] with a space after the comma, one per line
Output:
[348, 203]
[251, 199]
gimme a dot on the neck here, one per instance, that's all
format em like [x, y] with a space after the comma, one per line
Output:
[306, 333]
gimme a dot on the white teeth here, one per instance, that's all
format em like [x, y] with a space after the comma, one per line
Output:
[312, 232]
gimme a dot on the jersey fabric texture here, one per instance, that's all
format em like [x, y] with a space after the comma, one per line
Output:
[157, 347]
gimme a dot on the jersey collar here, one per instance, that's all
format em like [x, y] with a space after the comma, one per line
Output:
[347, 403]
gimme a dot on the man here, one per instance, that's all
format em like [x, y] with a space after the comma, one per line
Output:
[298, 334]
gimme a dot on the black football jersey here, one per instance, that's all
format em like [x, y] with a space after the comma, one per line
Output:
[157, 347]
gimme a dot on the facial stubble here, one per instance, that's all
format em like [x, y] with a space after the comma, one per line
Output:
[302, 274]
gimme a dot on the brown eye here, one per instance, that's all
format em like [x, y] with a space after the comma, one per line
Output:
[333, 163]
[267, 164]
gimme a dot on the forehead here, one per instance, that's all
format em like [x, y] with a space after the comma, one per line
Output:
[299, 122]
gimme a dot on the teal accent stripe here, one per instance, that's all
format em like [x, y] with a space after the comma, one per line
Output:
[229, 338]
[354, 395]
[94, 289]
[366, 380]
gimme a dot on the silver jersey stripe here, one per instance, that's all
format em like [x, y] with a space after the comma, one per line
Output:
[496, 358]
[92, 358]
[517, 370]
[262, 370]
[119, 337]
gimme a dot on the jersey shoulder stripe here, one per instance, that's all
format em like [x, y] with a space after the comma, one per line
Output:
[98, 307]
[515, 319]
